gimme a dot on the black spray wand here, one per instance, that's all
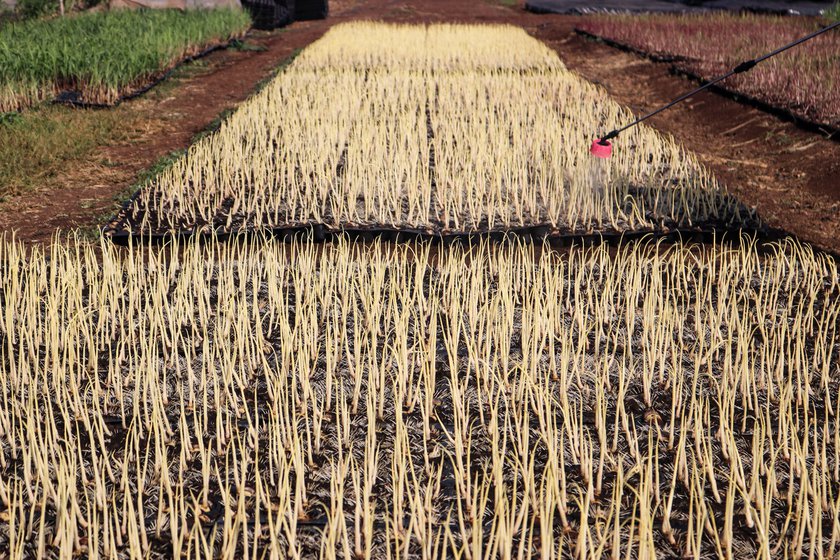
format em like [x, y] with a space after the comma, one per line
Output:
[602, 147]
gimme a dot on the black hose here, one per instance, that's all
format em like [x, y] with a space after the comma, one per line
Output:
[743, 67]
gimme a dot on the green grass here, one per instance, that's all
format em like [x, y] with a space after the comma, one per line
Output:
[94, 230]
[35, 145]
[245, 46]
[103, 55]
[834, 12]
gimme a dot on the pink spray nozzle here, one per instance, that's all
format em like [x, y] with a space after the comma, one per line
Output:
[601, 149]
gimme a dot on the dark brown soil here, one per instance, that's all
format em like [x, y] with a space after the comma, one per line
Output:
[792, 176]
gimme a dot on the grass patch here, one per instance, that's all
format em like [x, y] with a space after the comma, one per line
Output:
[834, 12]
[247, 46]
[36, 145]
[104, 55]
[183, 72]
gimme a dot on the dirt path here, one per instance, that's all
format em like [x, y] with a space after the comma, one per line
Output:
[169, 117]
[793, 177]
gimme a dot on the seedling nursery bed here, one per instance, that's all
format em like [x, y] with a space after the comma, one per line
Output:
[124, 52]
[76, 98]
[367, 129]
[347, 401]
[318, 233]
[244, 397]
[829, 131]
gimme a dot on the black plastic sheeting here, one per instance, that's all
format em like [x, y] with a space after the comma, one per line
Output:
[311, 9]
[270, 14]
[323, 234]
[791, 7]
[316, 233]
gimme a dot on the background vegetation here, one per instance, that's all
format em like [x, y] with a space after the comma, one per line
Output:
[36, 145]
[103, 55]
[803, 80]
[834, 12]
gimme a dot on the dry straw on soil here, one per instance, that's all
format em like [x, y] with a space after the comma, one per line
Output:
[340, 401]
[442, 129]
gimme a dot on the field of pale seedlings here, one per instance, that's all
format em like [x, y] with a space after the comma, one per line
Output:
[259, 399]
[442, 129]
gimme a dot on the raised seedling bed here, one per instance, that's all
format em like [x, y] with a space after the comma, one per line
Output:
[369, 401]
[431, 129]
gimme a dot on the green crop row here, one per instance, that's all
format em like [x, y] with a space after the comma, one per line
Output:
[834, 12]
[103, 55]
